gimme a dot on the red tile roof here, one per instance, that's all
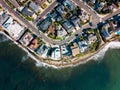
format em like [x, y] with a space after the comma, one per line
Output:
[34, 44]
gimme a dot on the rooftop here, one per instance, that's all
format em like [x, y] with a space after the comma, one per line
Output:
[3, 17]
[68, 26]
[65, 50]
[44, 25]
[34, 6]
[13, 27]
[42, 50]
[26, 39]
[27, 11]
[56, 53]
[34, 44]
[91, 38]
[69, 4]
[61, 10]
[76, 21]
[83, 46]
[75, 49]
[61, 31]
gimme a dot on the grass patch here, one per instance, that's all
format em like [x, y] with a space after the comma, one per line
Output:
[10, 4]
[29, 18]
[21, 3]
[99, 39]
[25, 16]
[44, 6]
[80, 55]
[52, 36]
[58, 38]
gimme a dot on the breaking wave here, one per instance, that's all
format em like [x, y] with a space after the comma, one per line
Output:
[97, 57]
[42, 64]
[24, 58]
[100, 55]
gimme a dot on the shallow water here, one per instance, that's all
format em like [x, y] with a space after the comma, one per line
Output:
[19, 72]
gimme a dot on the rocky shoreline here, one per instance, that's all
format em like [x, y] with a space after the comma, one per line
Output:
[75, 61]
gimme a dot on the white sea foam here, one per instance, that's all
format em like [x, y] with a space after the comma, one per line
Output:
[24, 58]
[100, 55]
[38, 63]
[42, 64]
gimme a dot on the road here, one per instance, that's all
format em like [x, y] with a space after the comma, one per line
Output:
[48, 9]
[33, 28]
[14, 3]
[111, 15]
[95, 18]
[95, 21]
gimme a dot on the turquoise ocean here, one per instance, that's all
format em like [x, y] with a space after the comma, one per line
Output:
[19, 72]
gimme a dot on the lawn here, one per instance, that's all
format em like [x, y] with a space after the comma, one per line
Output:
[10, 4]
[44, 6]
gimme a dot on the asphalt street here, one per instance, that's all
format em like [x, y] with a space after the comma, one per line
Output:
[95, 20]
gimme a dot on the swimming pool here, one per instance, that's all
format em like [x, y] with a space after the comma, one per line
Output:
[117, 33]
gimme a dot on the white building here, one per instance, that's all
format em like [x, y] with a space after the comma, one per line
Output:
[83, 46]
[13, 28]
[56, 55]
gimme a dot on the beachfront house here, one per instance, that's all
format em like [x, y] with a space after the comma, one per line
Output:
[66, 51]
[91, 38]
[56, 55]
[26, 39]
[75, 48]
[43, 51]
[13, 27]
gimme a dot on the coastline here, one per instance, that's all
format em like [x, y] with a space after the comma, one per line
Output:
[38, 63]
[97, 56]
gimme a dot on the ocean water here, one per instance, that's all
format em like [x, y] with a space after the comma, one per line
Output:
[19, 72]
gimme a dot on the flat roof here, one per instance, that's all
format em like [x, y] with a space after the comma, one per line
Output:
[56, 54]
[13, 27]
